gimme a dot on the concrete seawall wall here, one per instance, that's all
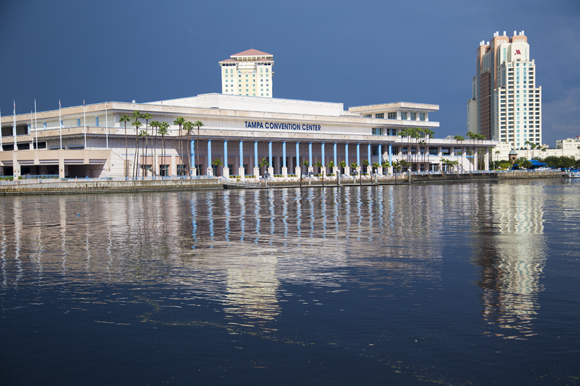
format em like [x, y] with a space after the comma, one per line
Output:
[84, 187]
[450, 177]
[74, 187]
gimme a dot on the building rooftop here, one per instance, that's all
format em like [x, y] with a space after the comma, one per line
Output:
[251, 52]
[394, 107]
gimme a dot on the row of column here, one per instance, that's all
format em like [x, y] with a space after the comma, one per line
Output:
[323, 155]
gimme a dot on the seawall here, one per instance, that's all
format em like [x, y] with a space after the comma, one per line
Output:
[40, 187]
[104, 186]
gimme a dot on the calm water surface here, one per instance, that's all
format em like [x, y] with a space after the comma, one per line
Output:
[450, 284]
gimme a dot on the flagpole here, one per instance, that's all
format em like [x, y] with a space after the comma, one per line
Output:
[1, 147]
[85, 121]
[106, 126]
[59, 124]
[36, 124]
[14, 126]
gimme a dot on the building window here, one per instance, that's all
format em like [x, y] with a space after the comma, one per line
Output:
[380, 115]
[367, 115]
[421, 116]
[392, 115]
[404, 115]
[377, 131]
[413, 116]
[97, 121]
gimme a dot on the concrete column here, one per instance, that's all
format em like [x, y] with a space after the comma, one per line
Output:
[226, 155]
[255, 156]
[370, 154]
[309, 155]
[61, 170]
[298, 156]
[16, 172]
[173, 167]
[390, 154]
[297, 171]
[346, 154]
[475, 159]
[486, 160]
[270, 157]
[323, 155]
[283, 154]
[241, 172]
[193, 170]
[381, 156]
[358, 154]
[209, 168]
[241, 163]
[335, 154]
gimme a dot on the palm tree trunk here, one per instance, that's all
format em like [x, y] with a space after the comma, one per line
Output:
[136, 161]
[189, 153]
[125, 172]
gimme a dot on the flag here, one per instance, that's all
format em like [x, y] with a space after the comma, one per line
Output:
[59, 103]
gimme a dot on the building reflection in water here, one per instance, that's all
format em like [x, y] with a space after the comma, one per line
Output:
[512, 258]
[235, 247]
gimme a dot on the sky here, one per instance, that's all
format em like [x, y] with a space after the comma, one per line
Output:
[356, 53]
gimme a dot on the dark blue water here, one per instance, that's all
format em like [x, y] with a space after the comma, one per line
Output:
[447, 284]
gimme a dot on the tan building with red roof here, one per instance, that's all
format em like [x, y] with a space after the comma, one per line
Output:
[248, 73]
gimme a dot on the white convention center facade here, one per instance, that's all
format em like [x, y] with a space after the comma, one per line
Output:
[242, 132]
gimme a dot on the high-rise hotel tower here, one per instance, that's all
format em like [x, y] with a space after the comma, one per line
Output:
[248, 73]
[505, 104]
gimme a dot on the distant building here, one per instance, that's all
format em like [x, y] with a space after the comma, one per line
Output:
[248, 73]
[506, 105]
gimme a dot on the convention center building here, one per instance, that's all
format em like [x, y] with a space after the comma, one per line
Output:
[248, 135]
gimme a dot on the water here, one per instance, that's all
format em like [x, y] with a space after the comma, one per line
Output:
[452, 284]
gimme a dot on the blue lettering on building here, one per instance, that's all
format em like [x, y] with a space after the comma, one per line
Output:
[282, 126]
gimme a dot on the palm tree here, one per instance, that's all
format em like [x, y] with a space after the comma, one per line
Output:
[217, 163]
[398, 166]
[459, 138]
[429, 134]
[306, 164]
[264, 163]
[365, 164]
[331, 166]
[144, 134]
[163, 130]
[154, 125]
[179, 121]
[137, 125]
[146, 117]
[319, 165]
[199, 124]
[188, 126]
[342, 164]
[125, 118]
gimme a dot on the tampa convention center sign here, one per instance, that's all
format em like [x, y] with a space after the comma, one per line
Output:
[282, 126]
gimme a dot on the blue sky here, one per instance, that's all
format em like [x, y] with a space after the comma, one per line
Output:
[357, 53]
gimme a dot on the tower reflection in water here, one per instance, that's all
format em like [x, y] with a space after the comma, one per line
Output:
[512, 258]
[238, 248]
